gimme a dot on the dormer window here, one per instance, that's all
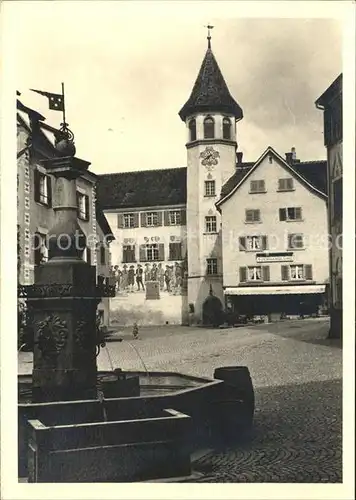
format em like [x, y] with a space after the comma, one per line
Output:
[209, 126]
[192, 130]
[226, 128]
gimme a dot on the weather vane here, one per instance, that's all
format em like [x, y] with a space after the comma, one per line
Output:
[210, 27]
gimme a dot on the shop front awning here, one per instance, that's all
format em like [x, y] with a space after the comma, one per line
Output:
[275, 290]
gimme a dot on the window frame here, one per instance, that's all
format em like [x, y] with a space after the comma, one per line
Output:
[209, 127]
[254, 220]
[287, 217]
[177, 217]
[226, 127]
[258, 190]
[212, 222]
[154, 248]
[192, 127]
[154, 219]
[249, 279]
[212, 266]
[300, 237]
[124, 252]
[296, 266]
[83, 215]
[285, 189]
[210, 183]
[175, 255]
[131, 217]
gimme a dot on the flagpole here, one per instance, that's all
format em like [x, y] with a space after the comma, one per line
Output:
[64, 109]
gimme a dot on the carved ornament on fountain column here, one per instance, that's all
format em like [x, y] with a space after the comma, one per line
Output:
[52, 333]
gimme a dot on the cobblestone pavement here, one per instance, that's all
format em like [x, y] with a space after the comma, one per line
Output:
[296, 373]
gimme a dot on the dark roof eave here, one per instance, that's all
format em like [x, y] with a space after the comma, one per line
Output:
[190, 109]
[327, 96]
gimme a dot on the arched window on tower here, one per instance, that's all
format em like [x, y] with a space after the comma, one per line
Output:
[192, 130]
[227, 128]
[209, 126]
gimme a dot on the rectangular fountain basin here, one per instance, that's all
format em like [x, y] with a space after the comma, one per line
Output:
[121, 451]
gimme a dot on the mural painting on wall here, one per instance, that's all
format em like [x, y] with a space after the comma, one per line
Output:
[129, 278]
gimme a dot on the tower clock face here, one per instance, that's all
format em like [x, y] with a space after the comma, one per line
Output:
[209, 157]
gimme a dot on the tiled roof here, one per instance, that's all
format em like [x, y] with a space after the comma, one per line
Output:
[210, 92]
[313, 172]
[143, 188]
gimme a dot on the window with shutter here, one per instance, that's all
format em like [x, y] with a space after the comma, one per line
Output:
[257, 186]
[143, 253]
[252, 215]
[285, 273]
[161, 251]
[285, 184]
[265, 273]
[243, 274]
[49, 191]
[242, 244]
[143, 219]
[308, 272]
[120, 220]
[282, 214]
[175, 251]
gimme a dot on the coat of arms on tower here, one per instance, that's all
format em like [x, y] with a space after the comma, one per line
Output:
[210, 157]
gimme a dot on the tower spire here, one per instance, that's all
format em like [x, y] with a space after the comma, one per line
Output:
[210, 27]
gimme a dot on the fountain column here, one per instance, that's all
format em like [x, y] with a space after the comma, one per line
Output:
[64, 297]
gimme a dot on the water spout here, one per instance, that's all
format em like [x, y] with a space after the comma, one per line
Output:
[21, 346]
[139, 355]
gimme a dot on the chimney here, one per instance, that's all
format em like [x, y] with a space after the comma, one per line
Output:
[289, 158]
[294, 154]
[239, 156]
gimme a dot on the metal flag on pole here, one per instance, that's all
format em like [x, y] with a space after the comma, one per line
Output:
[55, 101]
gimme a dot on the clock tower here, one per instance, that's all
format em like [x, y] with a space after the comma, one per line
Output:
[210, 115]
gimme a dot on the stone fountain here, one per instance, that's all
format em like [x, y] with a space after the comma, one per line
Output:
[78, 424]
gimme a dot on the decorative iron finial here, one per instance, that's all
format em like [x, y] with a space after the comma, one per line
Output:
[210, 27]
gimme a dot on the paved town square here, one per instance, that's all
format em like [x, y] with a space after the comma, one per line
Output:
[297, 375]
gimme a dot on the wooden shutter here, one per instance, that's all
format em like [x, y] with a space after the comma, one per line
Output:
[285, 273]
[166, 218]
[102, 255]
[160, 251]
[242, 244]
[142, 253]
[264, 242]
[159, 219]
[265, 273]
[290, 240]
[120, 220]
[143, 219]
[282, 214]
[261, 186]
[308, 272]
[248, 215]
[183, 217]
[49, 190]
[78, 197]
[37, 177]
[243, 274]
[86, 200]
[298, 213]
[256, 215]
[136, 219]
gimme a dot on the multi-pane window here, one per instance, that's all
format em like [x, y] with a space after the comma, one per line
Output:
[174, 217]
[209, 188]
[192, 130]
[128, 253]
[209, 126]
[43, 189]
[40, 249]
[295, 240]
[210, 224]
[257, 186]
[286, 184]
[297, 272]
[175, 251]
[253, 243]
[226, 128]
[83, 206]
[129, 220]
[152, 219]
[212, 266]
[152, 252]
[290, 213]
[252, 215]
[254, 273]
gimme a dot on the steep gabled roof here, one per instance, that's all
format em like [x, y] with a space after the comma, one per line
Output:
[334, 89]
[210, 92]
[311, 173]
[145, 188]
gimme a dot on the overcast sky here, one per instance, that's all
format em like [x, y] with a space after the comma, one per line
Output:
[128, 73]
